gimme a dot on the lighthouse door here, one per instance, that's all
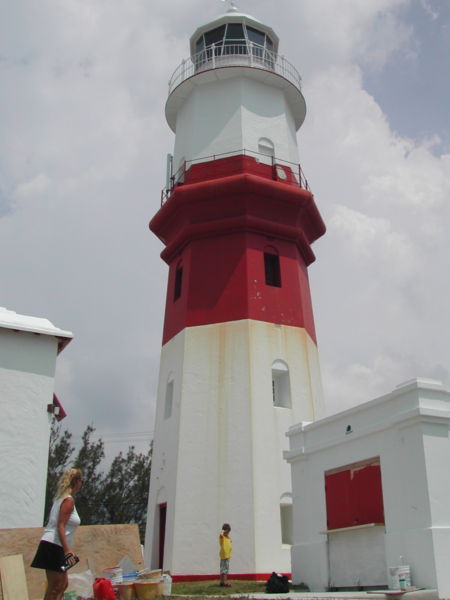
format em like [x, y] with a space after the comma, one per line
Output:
[162, 533]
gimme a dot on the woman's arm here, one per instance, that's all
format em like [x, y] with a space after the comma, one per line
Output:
[65, 510]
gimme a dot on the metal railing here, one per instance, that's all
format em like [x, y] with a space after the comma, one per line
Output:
[294, 175]
[242, 54]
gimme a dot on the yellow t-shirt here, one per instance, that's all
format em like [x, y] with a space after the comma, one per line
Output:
[226, 546]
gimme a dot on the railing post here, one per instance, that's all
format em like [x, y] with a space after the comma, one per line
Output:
[213, 49]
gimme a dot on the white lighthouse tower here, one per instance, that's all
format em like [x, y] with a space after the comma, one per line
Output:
[239, 362]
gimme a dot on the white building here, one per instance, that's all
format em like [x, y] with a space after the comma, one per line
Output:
[29, 347]
[370, 485]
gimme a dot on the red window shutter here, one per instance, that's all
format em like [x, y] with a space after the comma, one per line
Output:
[354, 496]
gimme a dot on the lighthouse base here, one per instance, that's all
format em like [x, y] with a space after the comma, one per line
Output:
[227, 395]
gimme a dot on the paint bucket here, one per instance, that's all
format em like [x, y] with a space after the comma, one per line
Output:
[400, 577]
[147, 590]
[114, 574]
[151, 575]
[167, 584]
[126, 591]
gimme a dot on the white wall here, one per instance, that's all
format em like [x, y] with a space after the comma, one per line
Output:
[220, 456]
[357, 557]
[27, 367]
[409, 430]
[232, 114]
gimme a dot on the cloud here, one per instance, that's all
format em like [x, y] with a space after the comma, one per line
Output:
[348, 385]
[372, 242]
[83, 142]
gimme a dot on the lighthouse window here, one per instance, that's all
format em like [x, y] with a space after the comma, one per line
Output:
[272, 269]
[235, 42]
[168, 399]
[235, 39]
[200, 45]
[266, 147]
[235, 31]
[286, 517]
[215, 36]
[256, 36]
[178, 283]
[281, 387]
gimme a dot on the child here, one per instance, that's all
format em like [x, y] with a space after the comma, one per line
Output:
[226, 550]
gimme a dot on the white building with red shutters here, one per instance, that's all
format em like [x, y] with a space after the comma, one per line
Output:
[239, 362]
[29, 347]
[371, 489]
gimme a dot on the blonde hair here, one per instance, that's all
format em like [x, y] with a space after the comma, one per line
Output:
[67, 482]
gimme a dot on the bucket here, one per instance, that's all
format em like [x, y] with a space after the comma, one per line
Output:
[114, 574]
[400, 577]
[167, 584]
[126, 591]
[147, 590]
[151, 575]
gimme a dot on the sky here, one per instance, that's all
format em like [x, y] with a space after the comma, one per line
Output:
[83, 145]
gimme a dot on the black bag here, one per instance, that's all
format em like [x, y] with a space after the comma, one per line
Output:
[277, 584]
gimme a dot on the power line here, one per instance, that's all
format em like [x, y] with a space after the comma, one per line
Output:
[119, 437]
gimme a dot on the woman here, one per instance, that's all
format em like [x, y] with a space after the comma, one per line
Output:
[54, 549]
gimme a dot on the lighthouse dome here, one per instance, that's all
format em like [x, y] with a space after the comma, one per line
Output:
[234, 28]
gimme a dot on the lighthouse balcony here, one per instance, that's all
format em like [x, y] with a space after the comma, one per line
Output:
[234, 163]
[242, 53]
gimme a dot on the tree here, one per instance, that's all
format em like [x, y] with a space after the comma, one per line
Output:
[120, 496]
[126, 489]
[60, 451]
[89, 459]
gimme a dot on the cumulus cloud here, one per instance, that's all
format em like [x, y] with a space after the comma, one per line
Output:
[82, 160]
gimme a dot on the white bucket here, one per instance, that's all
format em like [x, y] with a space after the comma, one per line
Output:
[114, 574]
[167, 584]
[399, 577]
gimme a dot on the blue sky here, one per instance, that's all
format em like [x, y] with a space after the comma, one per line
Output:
[418, 80]
[83, 144]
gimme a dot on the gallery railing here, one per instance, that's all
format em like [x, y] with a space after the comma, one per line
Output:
[270, 166]
[234, 54]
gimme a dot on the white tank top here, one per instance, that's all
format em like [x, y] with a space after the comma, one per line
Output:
[51, 532]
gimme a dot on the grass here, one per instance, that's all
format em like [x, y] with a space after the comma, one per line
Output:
[212, 588]
[201, 589]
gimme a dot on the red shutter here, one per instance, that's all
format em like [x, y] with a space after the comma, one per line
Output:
[354, 496]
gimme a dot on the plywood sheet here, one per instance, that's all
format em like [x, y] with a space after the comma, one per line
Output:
[12, 576]
[103, 545]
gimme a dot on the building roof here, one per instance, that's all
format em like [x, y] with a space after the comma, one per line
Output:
[38, 325]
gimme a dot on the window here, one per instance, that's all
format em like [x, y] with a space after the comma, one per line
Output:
[178, 283]
[281, 386]
[354, 495]
[256, 36]
[235, 42]
[200, 45]
[235, 32]
[234, 38]
[168, 403]
[286, 518]
[215, 36]
[272, 267]
[266, 147]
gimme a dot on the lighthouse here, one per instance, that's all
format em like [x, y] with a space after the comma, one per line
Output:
[239, 361]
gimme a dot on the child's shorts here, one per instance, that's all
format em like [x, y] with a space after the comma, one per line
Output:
[224, 566]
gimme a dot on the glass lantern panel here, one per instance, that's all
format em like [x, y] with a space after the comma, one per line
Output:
[215, 36]
[258, 37]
